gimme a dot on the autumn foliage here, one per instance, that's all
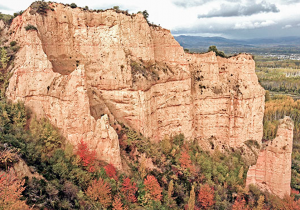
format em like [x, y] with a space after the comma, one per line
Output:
[117, 204]
[100, 191]
[129, 189]
[87, 157]
[185, 162]
[10, 193]
[153, 188]
[206, 196]
[290, 203]
[111, 171]
[239, 204]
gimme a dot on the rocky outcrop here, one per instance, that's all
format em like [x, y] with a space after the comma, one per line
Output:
[79, 66]
[272, 171]
[21, 170]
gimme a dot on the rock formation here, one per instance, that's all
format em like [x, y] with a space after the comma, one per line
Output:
[272, 171]
[86, 70]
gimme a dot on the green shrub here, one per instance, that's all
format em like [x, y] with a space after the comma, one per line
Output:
[18, 13]
[30, 27]
[39, 7]
[218, 53]
[73, 5]
[13, 43]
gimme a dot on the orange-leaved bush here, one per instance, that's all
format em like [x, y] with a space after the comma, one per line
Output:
[111, 171]
[206, 196]
[153, 188]
[117, 204]
[100, 191]
[291, 203]
[239, 204]
[87, 157]
[129, 189]
[185, 162]
[10, 193]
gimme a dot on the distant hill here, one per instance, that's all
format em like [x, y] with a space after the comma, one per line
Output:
[198, 43]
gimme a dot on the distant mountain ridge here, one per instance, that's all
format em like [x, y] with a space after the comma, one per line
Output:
[199, 42]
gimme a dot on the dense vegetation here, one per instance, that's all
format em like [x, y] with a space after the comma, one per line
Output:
[276, 108]
[7, 19]
[278, 76]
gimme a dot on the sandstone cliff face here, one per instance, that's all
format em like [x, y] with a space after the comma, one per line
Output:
[80, 66]
[272, 171]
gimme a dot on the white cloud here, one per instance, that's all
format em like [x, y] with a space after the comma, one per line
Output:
[251, 25]
[287, 26]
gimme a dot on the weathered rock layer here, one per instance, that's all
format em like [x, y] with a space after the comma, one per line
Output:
[79, 67]
[272, 171]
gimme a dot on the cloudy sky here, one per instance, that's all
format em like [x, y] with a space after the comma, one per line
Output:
[239, 19]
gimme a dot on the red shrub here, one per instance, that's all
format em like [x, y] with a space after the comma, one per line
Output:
[129, 189]
[111, 171]
[87, 157]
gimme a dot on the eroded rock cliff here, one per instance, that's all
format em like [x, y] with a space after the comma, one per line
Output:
[272, 171]
[80, 68]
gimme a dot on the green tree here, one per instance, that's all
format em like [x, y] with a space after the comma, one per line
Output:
[191, 203]
[73, 5]
[267, 96]
[4, 58]
[218, 53]
[146, 14]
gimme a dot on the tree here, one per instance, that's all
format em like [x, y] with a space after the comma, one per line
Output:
[170, 189]
[290, 203]
[239, 203]
[8, 156]
[241, 172]
[4, 58]
[100, 191]
[146, 14]
[129, 189]
[260, 203]
[73, 5]
[191, 203]
[10, 193]
[218, 53]
[117, 204]
[87, 157]
[206, 196]
[267, 96]
[111, 171]
[185, 162]
[153, 188]
[117, 8]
